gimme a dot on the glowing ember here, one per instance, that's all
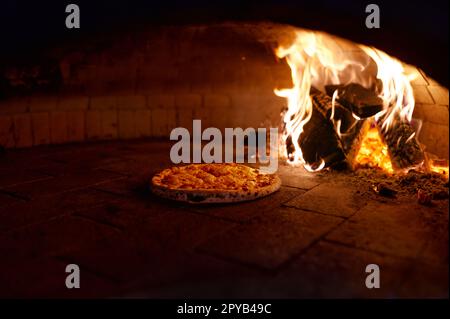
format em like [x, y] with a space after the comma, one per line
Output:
[373, 152]
[440, 169]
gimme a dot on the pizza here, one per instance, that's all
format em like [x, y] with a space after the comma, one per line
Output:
[214, 183]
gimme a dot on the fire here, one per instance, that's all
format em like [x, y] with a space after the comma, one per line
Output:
[374, 152]
[440, 167]
[440, 170]
[397, 92]
[317, 59]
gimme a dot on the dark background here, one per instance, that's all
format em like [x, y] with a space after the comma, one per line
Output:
[414, 31]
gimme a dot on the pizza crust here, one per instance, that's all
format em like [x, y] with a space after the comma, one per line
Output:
[230, 183]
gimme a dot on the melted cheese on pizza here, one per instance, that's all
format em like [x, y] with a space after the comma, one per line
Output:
[213, 177]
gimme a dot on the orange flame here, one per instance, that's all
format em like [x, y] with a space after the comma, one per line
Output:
[440, 167]
[397, 93]
[318, 59]
[440, 170]
[373, 152]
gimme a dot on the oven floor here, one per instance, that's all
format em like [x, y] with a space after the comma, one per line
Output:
[89, 205]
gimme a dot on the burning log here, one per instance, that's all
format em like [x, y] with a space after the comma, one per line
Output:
[362, 102]
[319, 140]
[348, 129]
[404, 149]
[334, 134]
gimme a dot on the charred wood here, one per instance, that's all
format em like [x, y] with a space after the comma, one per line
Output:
[362, 102]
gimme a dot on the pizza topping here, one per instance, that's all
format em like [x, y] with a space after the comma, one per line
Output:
[213, 177]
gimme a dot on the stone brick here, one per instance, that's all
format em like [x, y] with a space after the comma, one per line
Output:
[398, 229]
[107, 102]
[41, 128]
[233, 79]
[58, 127]
[43, 103]
[76, 124]
[259, 78]
[237, 117]
[285, 233]
[159, 122]
[439, 94]
[150, 87]
[177, 87]
[88, 73]
[329, 198]
[185, 116]
[243, 101]
[204, 87]
[253, 116]
[23, 134]
[143, 123]
[271, 107]
[217, 111]
[281, 75]
[421, 94]
[160, 73]
[7, 131]
[220, 118]
[73, 103]
[432, 113]
[213, 101]
[14, 106]
[109, 124]
[243, 110]
[435, 138]
[93, 125]
[171, 120]
[255, 110]
[127, 124]
[161, 101]
[131, 102]
[191, 101]
[192, 73]
[163, 121]
[419, 79]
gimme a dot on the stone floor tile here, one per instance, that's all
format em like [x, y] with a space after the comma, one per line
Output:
[329, 198]
[45, 277]
[22, 213]
[62, 184]
[243, 212]
[327, 270]
[297, 177]
[425, 281]
[395, 229]
[271, 239]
